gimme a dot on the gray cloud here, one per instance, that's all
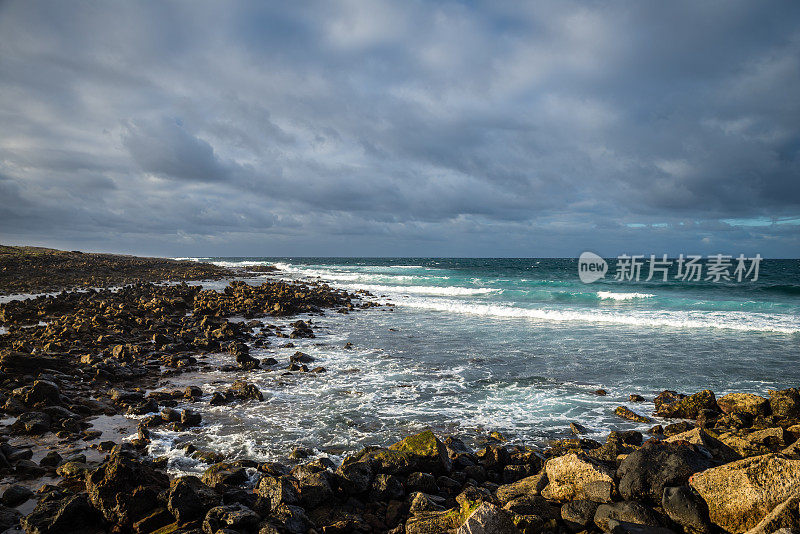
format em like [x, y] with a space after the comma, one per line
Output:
[420, 128]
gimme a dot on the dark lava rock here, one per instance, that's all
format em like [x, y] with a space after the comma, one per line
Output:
[232, 516]
[32, 423]
[315, 489]
[16, 495]
[68, 515]
[577, 428]
[301, 357]
[579, 514]
[121, 488]
[632, 512]
[190, 418]
[9, 518]
[646, 472]
[386, 488]
[684, 506]
[277, 490]
[189, 499]
[245, 390]
[356, 477]
[41, 393]
[224, 474]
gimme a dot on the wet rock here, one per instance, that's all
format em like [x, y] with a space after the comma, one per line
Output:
[632, 512]
[119, 488]
[577, 428]
[579, 514]
[627, 413]
[689, 407]
[224, 474]
[41, 393]
[245, 390]
[68, 515]
[635, 398]
[785, 403]
[73, 470]
[645, 473]
[568, 474]
[301, 357]
[32, 423]
[684, 506]
[189, 499]
[742, 493]
[26, 469]
[744, 403]
[232, 516]
[190, 418]
[15, 495]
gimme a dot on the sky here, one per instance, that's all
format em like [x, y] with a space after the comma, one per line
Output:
[401, 128]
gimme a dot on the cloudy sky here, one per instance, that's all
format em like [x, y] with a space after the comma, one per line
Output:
[404, 128]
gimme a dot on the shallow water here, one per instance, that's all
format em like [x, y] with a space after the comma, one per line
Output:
[507, 346]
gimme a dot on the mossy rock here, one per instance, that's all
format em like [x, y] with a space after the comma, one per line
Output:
[437, 522]
[690, 407]
[421, 452]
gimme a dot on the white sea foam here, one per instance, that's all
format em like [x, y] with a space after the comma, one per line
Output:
[676, 319]
[425, 290]
[623, 296]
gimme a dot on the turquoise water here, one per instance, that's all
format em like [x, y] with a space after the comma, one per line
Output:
[515, 345]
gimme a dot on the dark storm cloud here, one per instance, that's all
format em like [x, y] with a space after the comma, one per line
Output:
[413, 128]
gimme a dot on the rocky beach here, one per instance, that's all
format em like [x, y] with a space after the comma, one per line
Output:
[82, 393]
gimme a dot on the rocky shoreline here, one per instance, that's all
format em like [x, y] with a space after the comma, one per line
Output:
[72, 360]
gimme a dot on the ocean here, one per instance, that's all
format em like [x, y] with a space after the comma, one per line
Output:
[517, 346]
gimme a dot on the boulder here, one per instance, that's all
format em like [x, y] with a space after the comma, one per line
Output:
[233, 516]
[42, 393]
[667, 397]
[627, 413]
[785, 403]
[579, 514]
[245, 390]
[386, 488]
[689, 407]
[224, 474]
[189, 499]
[684, 506]
[32, 423]
[9, 518]
[645, 473]
[15, 495]
[277, 490]
[356, 477]
[488, 519]
[744, 403]
[785, 515]
[568, 474]
[315, 489]
[632, 512]
[532, 485]
[124, 487]
[68, 515]
[742, 493]
[420, 452]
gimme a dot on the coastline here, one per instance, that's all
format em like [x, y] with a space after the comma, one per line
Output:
[102, 353]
